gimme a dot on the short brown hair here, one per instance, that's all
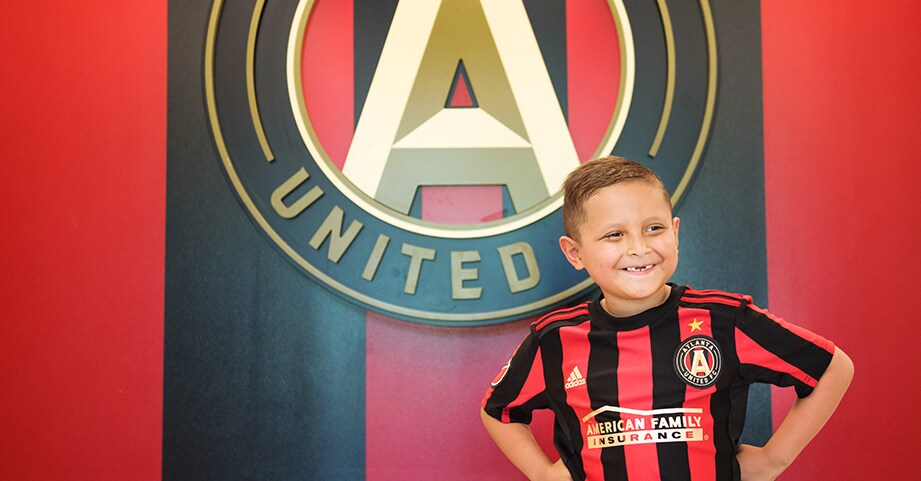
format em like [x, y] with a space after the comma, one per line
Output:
[595, 175]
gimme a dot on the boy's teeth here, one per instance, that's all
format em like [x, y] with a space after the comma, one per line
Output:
[637, 269]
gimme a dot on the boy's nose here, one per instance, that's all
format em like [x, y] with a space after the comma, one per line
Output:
[637, 246]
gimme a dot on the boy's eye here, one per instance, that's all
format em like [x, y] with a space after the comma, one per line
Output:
[613, 235]
[654, 228]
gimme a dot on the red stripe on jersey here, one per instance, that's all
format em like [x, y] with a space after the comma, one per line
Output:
[634, 388]
[712, 300]
[799, 331]
[574, 340]
[561, 315]
[533, 385]
[701, 454]
[750, 352]
[712, 292]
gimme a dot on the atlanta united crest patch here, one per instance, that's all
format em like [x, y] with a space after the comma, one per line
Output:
[408, 155]
[698, 361]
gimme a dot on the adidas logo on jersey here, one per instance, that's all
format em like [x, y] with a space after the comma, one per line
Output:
[575, 379]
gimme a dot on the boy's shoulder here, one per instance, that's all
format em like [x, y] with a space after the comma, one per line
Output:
[705, 298]
[714, 296]
[568, 316]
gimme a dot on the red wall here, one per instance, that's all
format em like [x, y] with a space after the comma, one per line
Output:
[83, 126]
[842, 139]
[81, 252]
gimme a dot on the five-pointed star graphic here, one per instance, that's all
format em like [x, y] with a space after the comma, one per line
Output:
[695, 326]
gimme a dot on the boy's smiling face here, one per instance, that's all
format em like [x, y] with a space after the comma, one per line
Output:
[628, 243]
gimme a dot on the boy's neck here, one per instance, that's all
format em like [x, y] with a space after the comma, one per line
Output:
[632, 308]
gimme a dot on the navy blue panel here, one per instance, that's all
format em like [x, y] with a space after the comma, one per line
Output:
[722, 235]
[264, 371]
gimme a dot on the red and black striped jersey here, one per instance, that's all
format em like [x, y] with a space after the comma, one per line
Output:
[659, 395]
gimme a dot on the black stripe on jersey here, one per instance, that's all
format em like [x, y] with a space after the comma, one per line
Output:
[776, 378]
[510, 387]
[736, 402]
[725, 447]
[568, 446]
[785, 344]
[667, 392]
[727, 429]
[603, 360]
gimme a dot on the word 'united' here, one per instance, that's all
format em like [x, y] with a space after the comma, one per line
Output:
[463, 264]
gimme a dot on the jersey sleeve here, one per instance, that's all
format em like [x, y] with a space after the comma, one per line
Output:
[518, 389]
[777, 352]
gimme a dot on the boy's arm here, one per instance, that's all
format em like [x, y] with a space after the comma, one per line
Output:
[519, 446]
[803, 422]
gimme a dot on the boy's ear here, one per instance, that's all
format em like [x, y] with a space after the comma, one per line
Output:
[676, 223]
[570, 249]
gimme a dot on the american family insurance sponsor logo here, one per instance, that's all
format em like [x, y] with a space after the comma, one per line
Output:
[631, 426]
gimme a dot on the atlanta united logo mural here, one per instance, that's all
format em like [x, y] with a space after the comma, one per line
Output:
[409, 155]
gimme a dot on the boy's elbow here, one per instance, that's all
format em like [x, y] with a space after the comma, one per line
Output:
[493, 426]
[843, 366]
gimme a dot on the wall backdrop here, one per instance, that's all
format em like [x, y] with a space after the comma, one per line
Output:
[151, 330]
[268, 373]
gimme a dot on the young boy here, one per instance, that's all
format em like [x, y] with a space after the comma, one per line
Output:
[650, 380]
